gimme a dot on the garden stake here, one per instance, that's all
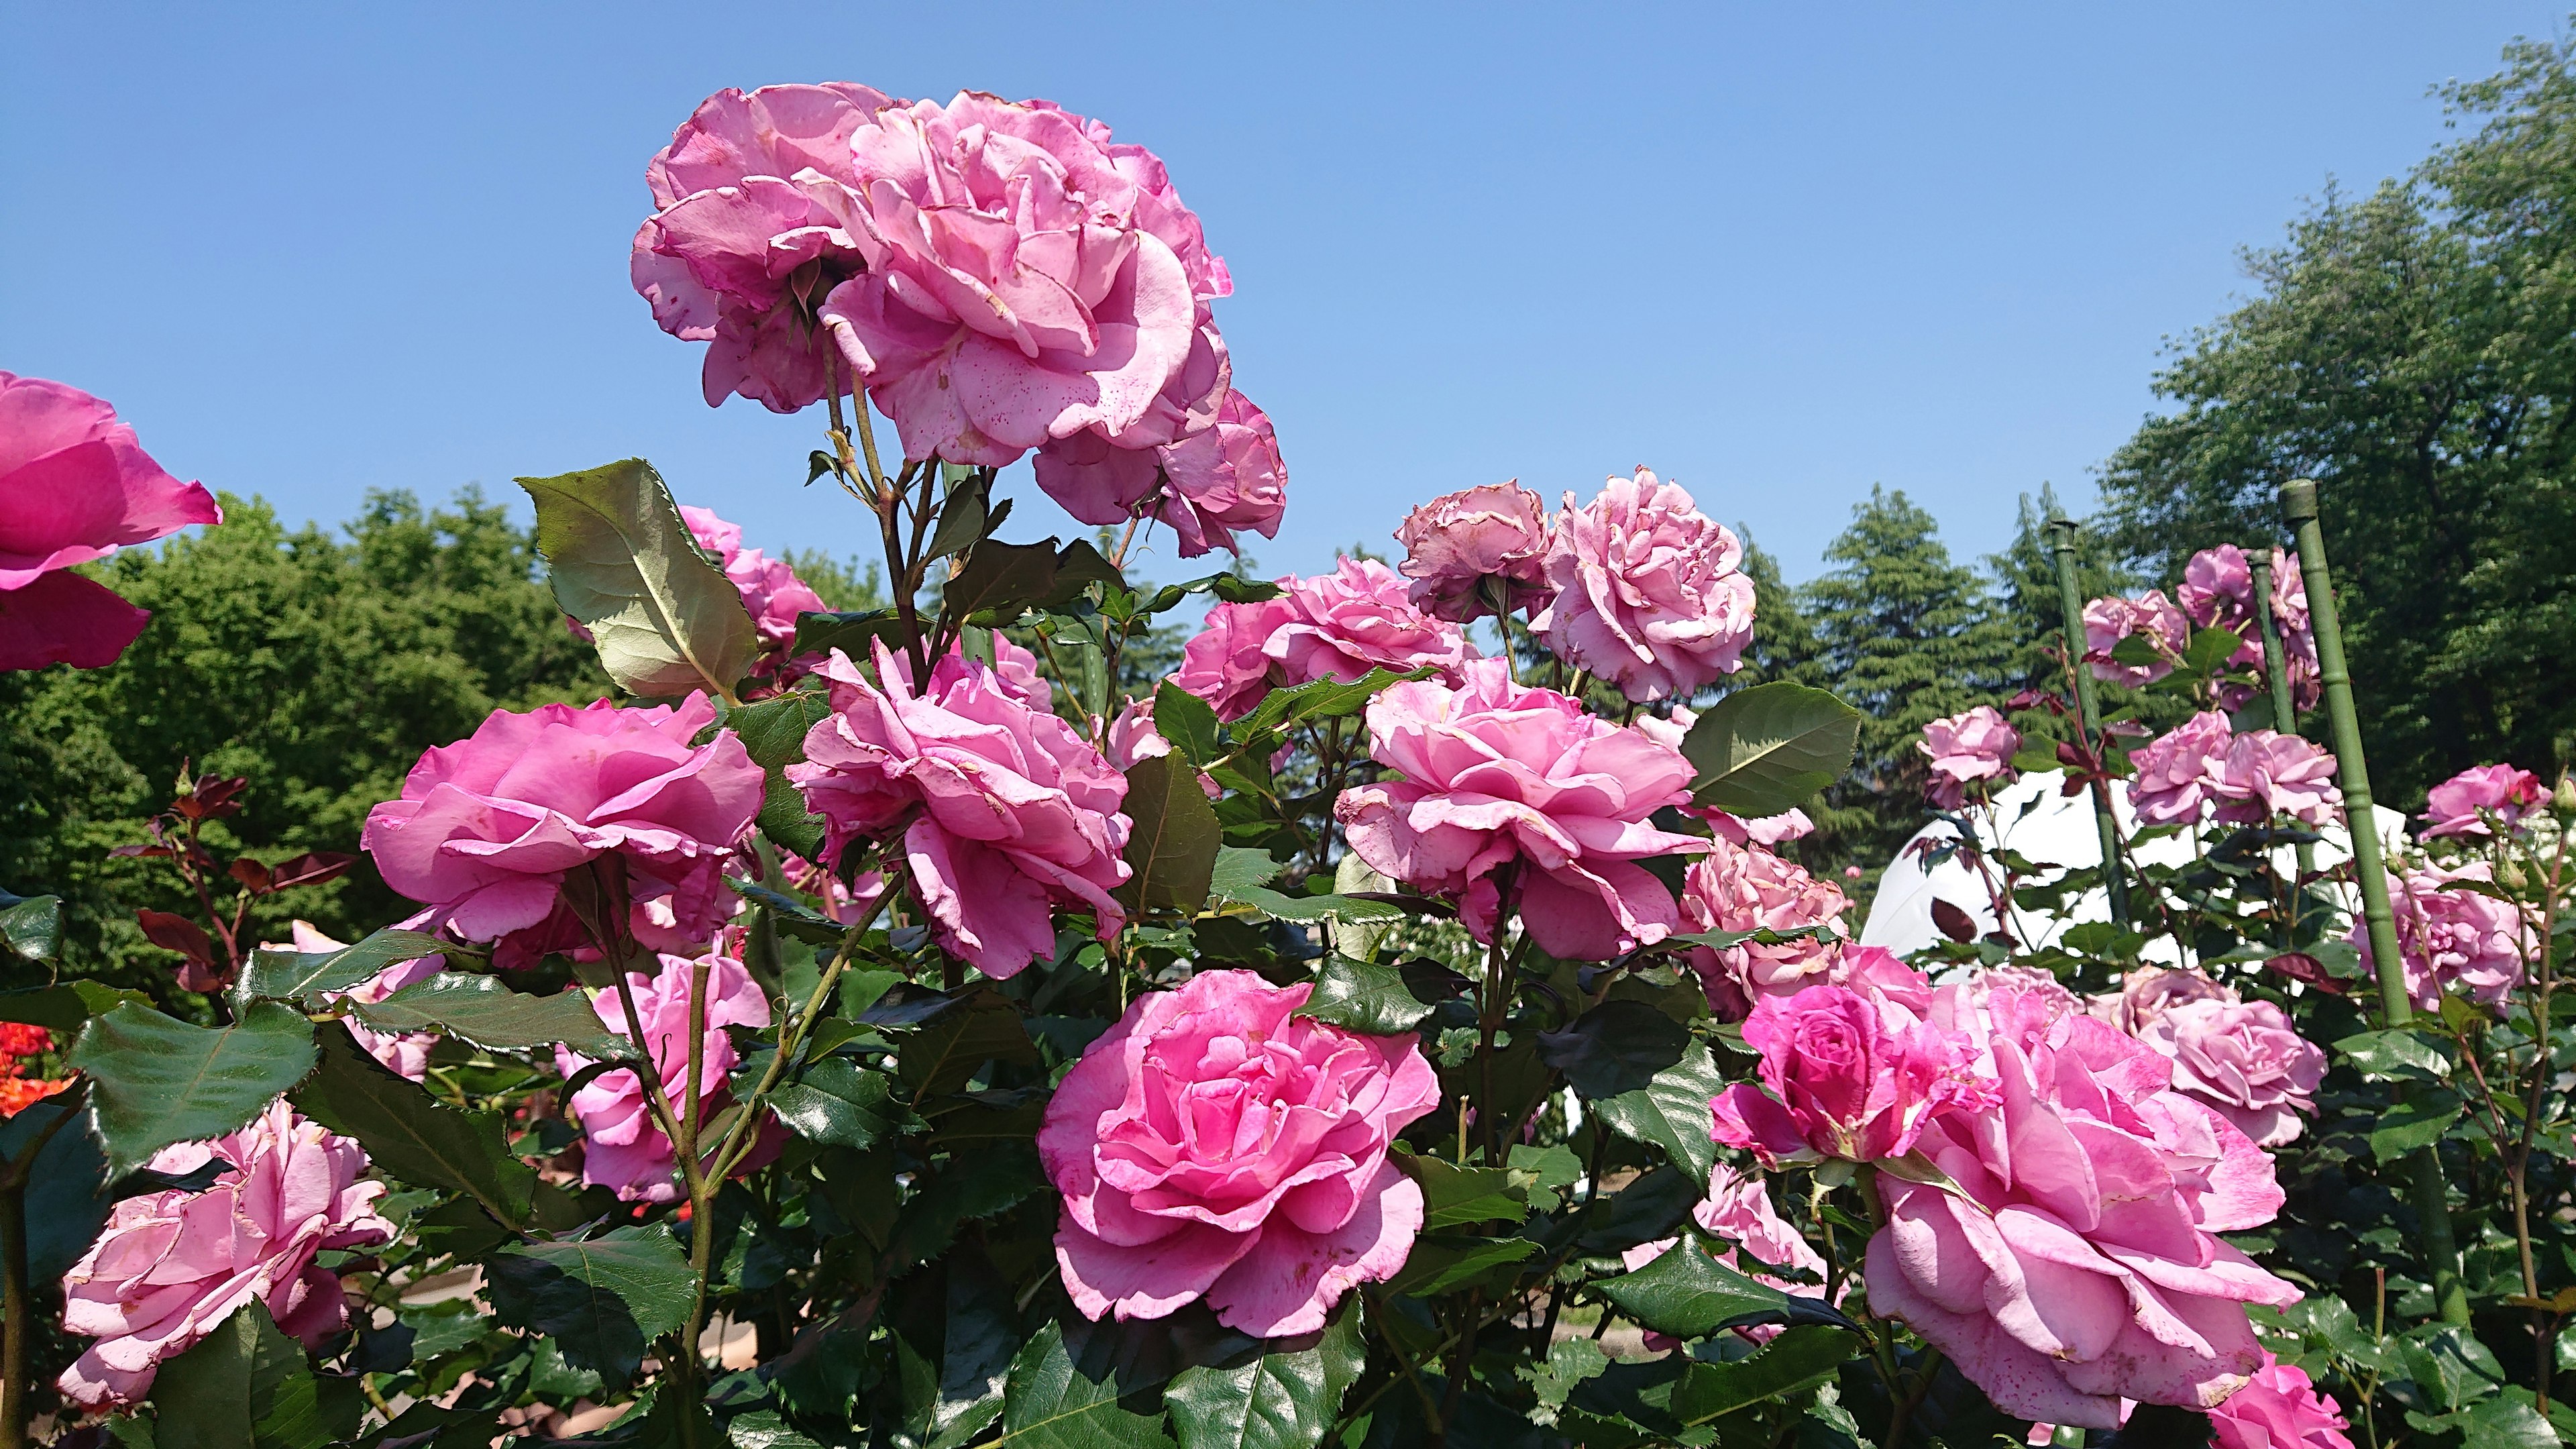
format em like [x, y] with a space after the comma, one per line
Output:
[2285, 705]
[2088, 713]
[2431, 1194]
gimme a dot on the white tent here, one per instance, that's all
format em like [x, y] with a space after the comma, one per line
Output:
[2048, 828]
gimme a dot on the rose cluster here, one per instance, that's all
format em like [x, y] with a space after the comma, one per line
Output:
[2202, 767]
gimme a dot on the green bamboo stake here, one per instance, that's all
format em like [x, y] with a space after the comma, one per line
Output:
[2431, 1193]
[2088, 712]
[2285, 705]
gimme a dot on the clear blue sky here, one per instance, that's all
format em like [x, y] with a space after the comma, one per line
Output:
[1780, 254]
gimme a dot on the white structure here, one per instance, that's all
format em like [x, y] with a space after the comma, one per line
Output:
[2048, 828]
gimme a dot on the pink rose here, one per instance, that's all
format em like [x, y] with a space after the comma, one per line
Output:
[2217, 592]
[2147, 992]
[75, 486]
[1650, 592]
[1968, 749]
[2177, 771]
[1227, 662]
[2453, 937]
[1738, 1210]
[2457, 805]
[2265, 773]
[622, 1146]
[1220, 473]
[1494, 775]
[2245, 1059]
[2080, 1262]
[1004, 811]
[1848, 1075]
[1338, 625]
[1461, 547]
[847, 904]
[1745, 887]
[170, 1267]
[1026, 279]
[2152, 616]
[405, 1055]
[2279, 1408]
[1213, 1145]
[770, 590]
[750, 230]
[1131, 737]
[1015, 671]
[486, 828]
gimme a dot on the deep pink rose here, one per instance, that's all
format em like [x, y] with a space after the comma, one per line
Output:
[2454, 807]
[622, 1147]
[1026, 278]
[2151, 616]
[1738, 1210]
[403, 1054]
[1462, 548]
[486, 828]
[750, 229]
[75, 486]
[1745, 887]
[2178, 770]
[1220, 474]
[2245, 1059]
[2265, 773]
[2082, 1265]
[1845, 1074]
[2452, 938]
[1213, 1145]
[2279, 1408]
[1968, 749]
[170, 1267]
[1005, 812]
[770, 590]
[1227, 662]
[847, 904]
[1650, 592]
[1492, 774]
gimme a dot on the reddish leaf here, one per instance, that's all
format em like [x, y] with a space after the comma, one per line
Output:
[176, 933]
[313, 867]
[1955, 923]
[252, 875]
[211, 799]
[2300, 966]
[147, 852]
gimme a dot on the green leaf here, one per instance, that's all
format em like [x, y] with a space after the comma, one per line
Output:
[2210, 649]
[1618, 1046]
[1272, 1394]
[792, 916]
[851, 632]
[248, 1386]
[67, 1197]
[1174, 844]
[1689, 1294]
[155, 1081]
[482, 1011]
[414, 1136]
[1442, 1261]
[1003, 577]
[843, 1104]
[601, 1301]
[764, 1429]
[2137, 651]
[2506, 1422]
[943, 1055]
[773, 733]
[2418, 1121]
[1363, 996]
[66, 1007]
[961, 518]
[1307, 910]
[31, 927]
[305, 977]
[1284, 709]
[664, 619]
[1065, 1391]
[1797, 1360]
[1238, 868]
[1186, 721]
[1671, 1112]
[2394, 1056]
[1454, 1195]
[973, 1186]
[1077, 568]
[1770, 748]
[1544, 1174]
[982, 1335]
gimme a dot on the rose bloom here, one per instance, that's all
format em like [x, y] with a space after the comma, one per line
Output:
[2279, 1408]
[1461, 548]
[75, 486]
[2245, 1059]
[1845, 1074]
[171, 1266]
[1777, 829]
[2265, 773]
[2080, 1263]
[1748, 888]
[2177, 771]
[750, 229]
[487, 828]
[1219, 475]
[1227, 662]
[1738, 1210]
[2456, 806]
[1026, 278]
[405, 1055]
[1495, 775]
[770, 590]
[2147, 992]
[1650, 592]
[1338, 625]
[1968, 749]
[1131, 736]
[2217, 592]
[2108, 621]
[622, 1147]
[1213, 1145]
[1005, 812]
[2452, 938]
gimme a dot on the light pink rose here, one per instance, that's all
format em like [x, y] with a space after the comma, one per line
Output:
[1227, 662]
[2279, 1408]
[403, 1054]
[1213, 1145]
[2265, 773]
[487, 828]
[2150, 615]
[1026, 279]
[2245, 1059]
[1745, 887]
[1355, 619]
[1492, 774]
[1461, 547]
[170, 1267]
[2178, 770]
[1738, 1210]
[2147, 992]
[770, 590]
[1968, 749]
[622, 1147]
[1015, 671]
[2453, 938]
[2080, 1263]
[750, 231]
[1650, 592]
[2217, 592]
[75, 486]
[2454, 807]
[1005, 812]
[1845, 1074]
[1221, 473]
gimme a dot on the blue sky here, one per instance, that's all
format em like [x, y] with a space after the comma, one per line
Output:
[1780, 254]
